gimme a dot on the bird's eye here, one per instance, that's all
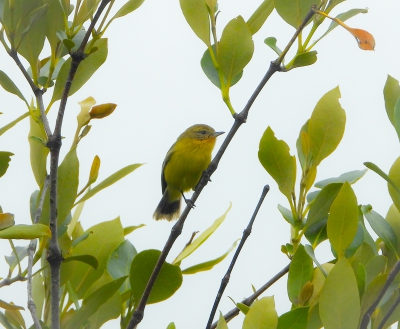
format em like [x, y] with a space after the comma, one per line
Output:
[203, 132]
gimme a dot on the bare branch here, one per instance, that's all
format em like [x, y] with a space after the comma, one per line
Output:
[9, 281]
[225, 279]
[232, 313]
[389, 313]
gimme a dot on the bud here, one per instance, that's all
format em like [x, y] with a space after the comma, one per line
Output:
[102, 110]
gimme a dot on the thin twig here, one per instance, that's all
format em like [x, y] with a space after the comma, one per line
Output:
[54, 256]
[9, 281]
[367, 316]
[389, 313]
[225, 279]
[176, 230]
[31, 251]
[232, 313]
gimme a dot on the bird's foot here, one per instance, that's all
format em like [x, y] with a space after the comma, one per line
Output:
[189, 202]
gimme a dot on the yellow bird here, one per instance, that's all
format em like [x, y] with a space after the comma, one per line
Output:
[183, 166]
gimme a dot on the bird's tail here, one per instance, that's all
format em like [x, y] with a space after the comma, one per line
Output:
[167, 209]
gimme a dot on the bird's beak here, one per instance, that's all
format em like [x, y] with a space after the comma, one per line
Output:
[217, 133]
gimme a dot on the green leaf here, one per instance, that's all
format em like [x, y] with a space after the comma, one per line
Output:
[294, 319]
[303, 146]
[206, 266]
[304, 59]
[339, 302]
[310, 251]
[168, 281]
[6, 220]
[221, 322]
[342, 17]
[374, 267]
[38, 294]
[8, 306]
[396, 118]
[13, 123]
[84, 72]
[10, 86]
[243, 308]
[236, 48]
[119, 263]
[275, 157]
[391, 93]
[171, 326]
[38, 152]
[12, 260]
[92, 303]
[130, 229]
[326, 126]
[394, 182]
[26, 232]
[351, 177]
[287, 215]
[293, 12]
[300, 272]
[322, 204]
[54, 22]
[262, 315]
[260, 16]
[109, 181]
[81, 275]
[343, 220]
[381, 227]
[67, 187]
[393, 218]
[5, 158]
[271, 42]
[86, 11]
[211, 72]
[87, 259]
[196, 14]
[128, 7]
[356, 243]
[188, 250]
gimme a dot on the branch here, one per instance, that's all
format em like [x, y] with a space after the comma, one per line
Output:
[176, 230]
[54, 256]
[367, 316]
[232, 313]
[9, 281]
[389, 313]
[225, 279]
[31, 251]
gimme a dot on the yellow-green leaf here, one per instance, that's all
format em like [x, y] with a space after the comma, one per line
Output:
[10, 86]
[6, 220]
[188, 250]
[394, 175]
[326, 126]
[128, 7]
[221, 322]
[8, 306]
[38, 152]
[260, 16]
[391, 93]
[5, 158]
[102, 110]
[294, 11]
[339, 301]
[109, 181]
[275, 157]
[236, 48]
[262, 315]
[26, 232]
[196, 14]
[343, 219]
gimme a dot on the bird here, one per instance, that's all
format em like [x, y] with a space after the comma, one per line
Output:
[183, 166]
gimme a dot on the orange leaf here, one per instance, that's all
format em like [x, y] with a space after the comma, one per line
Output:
[364, 39]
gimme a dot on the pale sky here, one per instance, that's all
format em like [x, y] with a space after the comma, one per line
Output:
[153, 74]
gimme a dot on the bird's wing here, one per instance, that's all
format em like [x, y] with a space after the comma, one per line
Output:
[167, 158]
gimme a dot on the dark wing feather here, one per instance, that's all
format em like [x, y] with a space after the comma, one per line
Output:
[167, 158]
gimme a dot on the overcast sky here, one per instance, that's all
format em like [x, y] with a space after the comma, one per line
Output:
[153, 74]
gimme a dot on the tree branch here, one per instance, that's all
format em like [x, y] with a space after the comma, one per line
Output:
[225, 279]
[31, 251]
[9, 281]
[367, 316]
[240, 118]
[389, 313]
[54, 256]
[232, 313]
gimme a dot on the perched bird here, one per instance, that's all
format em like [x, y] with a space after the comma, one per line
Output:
[183, 166]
